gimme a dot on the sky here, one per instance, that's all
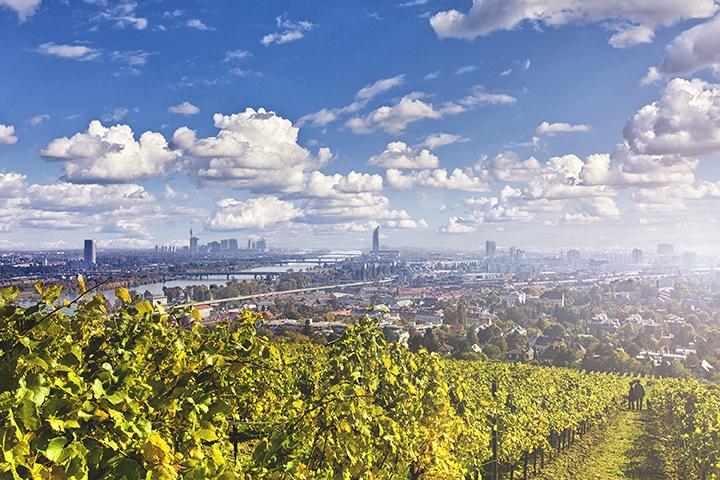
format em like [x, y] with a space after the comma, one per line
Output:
[540, 124]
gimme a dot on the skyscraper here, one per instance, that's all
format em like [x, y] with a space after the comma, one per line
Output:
[636, 256]
[573, 256]
[89, 255]
[490, 248]
[193, 243]
[376, 239]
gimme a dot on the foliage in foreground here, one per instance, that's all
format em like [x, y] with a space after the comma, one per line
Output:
[142, 393]
[689, 418]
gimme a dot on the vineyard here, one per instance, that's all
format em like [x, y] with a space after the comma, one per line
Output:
[144, 393]
[689, 415]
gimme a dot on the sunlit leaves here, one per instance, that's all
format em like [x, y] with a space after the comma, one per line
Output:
[141, 392]
[123, 295]
[689, 422]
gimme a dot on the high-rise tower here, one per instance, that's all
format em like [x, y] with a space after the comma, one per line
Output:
[193, 243]
[636, 256]
[376, 239]
[89, 253]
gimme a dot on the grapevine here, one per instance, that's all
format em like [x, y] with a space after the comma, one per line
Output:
[140, 392]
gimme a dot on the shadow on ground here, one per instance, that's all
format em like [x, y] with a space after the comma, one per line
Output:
[644, 457]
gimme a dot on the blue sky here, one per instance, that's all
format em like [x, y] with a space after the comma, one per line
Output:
[546, 124]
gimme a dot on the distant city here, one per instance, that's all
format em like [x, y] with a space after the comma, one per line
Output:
[638, 311]
[510, 260]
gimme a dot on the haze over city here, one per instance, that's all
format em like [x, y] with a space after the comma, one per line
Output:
[541, 125]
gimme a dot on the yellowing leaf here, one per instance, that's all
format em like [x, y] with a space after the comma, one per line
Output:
[123, 295]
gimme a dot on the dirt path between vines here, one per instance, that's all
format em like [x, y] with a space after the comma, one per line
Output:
[625, 449]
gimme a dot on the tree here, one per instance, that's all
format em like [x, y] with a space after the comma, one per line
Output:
[561, 355]
[672, 369]
[430, 341]
[555, 330]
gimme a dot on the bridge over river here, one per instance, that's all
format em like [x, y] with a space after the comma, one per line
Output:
[285, 292]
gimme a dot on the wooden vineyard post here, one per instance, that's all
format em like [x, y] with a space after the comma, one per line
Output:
[535, 461]
[234, 438]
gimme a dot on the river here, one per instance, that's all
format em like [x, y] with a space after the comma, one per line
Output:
[157, 287]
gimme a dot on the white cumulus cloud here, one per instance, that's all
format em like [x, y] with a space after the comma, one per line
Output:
[288, 31]
[24, 8]
[7, 134]
[197, 24]
[112, 155]
[437, 140]
[254, 149]
[695, 49]
[685, 121]
[393, 119]
[184, 108]
[639, 17]
[457, 225]
[550, 129]
[255, 213]
[399, 155]
[629, 35]
[81, 53]
[461, 180]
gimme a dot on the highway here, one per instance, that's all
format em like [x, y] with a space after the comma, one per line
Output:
[283, 292]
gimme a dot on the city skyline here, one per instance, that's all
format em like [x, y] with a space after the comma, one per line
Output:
[443, 122]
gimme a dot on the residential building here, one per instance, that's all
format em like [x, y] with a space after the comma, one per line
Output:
[573, 256]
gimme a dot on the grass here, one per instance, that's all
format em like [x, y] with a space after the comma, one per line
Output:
[624, 449]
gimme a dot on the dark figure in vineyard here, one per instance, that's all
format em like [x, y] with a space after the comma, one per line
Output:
[636, 394]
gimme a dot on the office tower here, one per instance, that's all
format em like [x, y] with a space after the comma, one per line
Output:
[665, 249]
[376, 239]
[512, 252]
[193, 243]
[490, 248]
[261, 245]
[225, 244]
[90, 252]
[573, 256]
[249, 247]
[636, 256]
[233, 244]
